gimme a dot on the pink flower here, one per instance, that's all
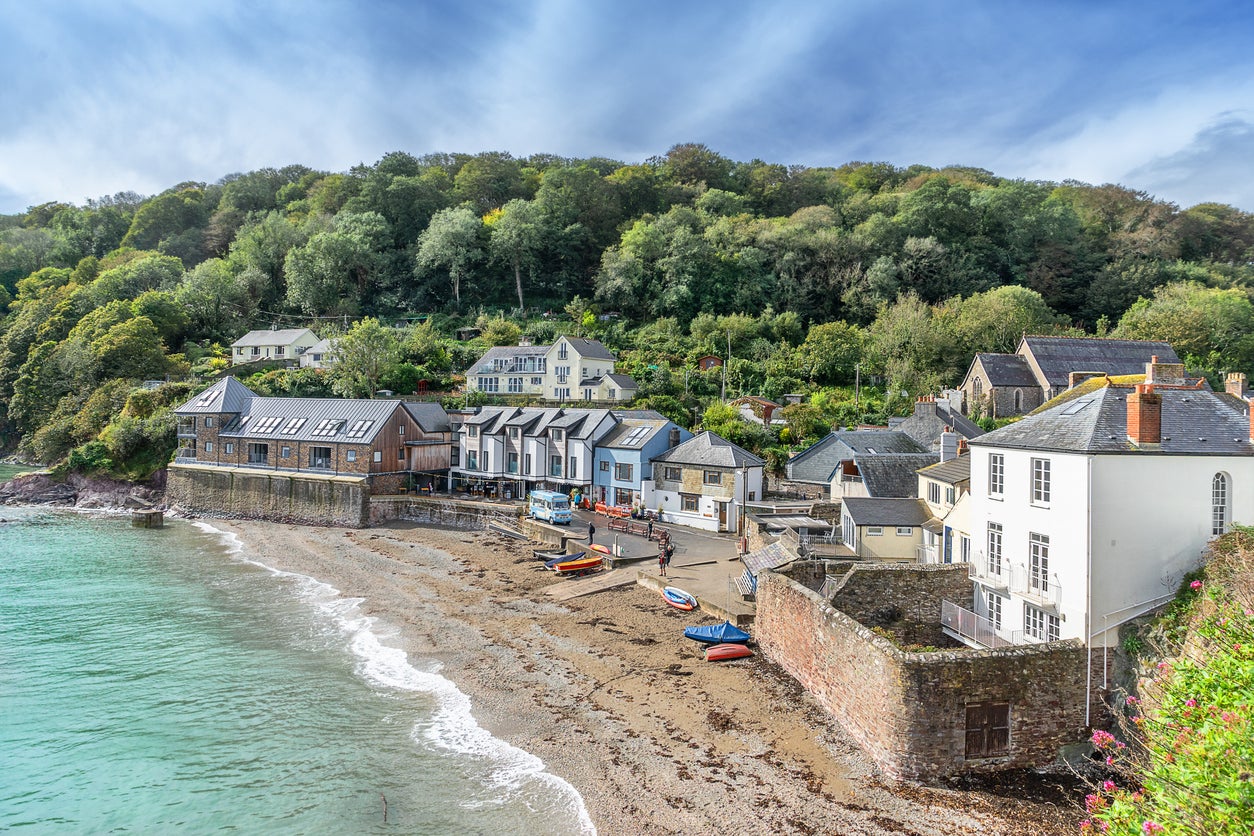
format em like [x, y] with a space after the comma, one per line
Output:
[1091, 802]
[1228, 717]
[1131, 700]
[1194, 585]
[1108, 786]
[1190, 703]
[1102, 739]
[1236, 647]
[1151, 827]
[1110, 761]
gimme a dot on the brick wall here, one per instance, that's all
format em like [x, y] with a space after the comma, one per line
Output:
[905, 598]
[908, 710]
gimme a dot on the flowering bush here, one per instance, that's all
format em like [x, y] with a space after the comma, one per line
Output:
[1190, 768]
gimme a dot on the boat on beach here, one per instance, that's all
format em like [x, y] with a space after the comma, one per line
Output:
[725, 652]
[604, 551]
[679, 599]
[539, 554]
[725, 633]
[580, 564]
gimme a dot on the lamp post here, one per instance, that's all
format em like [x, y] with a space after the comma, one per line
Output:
[743, 545]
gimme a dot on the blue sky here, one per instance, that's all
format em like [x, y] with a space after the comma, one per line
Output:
[136, 95]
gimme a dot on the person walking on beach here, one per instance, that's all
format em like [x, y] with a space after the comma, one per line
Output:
[649, 533]
[592, 532]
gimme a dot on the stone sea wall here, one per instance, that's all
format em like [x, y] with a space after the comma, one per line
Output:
[303, 498]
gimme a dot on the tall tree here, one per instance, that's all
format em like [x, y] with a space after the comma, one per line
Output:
[517, 236]
[359, 358]
[452, 242]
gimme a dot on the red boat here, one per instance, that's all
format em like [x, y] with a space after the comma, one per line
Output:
[723, 652]
[603, 551]
[582, 566]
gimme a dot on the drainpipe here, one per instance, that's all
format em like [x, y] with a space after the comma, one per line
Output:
[1088, 594]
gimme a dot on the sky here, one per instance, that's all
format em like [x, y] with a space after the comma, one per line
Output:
[140, 95]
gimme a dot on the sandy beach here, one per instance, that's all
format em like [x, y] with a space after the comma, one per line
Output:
[609, 694]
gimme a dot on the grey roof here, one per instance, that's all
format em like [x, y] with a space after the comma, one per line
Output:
[322, 346]
[925, 426]
[227, 395]
[312, 419]
[1006, 370]
[951, 472]
[645, 414]
[1194, 422]
[817, 462]
[878, 511]
[1059, 356]
[428, 415]
[589, 349]
[632, 434]
[509, 353]
[770, 556]
[623, 381]
[286, 336]
[893, 474]
[709, 449]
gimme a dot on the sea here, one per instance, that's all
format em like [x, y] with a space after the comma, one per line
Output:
[156, 681]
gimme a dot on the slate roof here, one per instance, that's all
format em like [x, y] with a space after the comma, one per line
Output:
[227, 395]
[886, 512]
[589, 349]
[817, 462]
[927, 428]
[893, 474]
[311, 419]
[430, 416]
[509, 353]
[322, 346]
[1194, 422]
[625, 437]
[708, 449]
[623, 381]
[770, 556]
[1059, 356]
[286, 336]
[1007, 370]
[951, 472]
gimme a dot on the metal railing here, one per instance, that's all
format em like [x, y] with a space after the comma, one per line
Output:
[980, 572]
[971, 626]
[1042, 588]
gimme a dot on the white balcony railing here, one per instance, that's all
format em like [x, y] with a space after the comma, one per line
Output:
[927, 554]
[980, 572]
[1042, 588]
[971, 627]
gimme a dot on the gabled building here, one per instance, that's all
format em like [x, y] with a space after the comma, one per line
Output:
[318, 355]
[623, 474]
[756, 410]
[1088, 514]
[1001, 385]
[883, 529]
[946, 489]
[706, 482]
[285, 344]
[228, 425]
[932, 418]
[571, 369]
[863, 463]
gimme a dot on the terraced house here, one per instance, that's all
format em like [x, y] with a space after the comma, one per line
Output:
[386, 441]
[571, 369]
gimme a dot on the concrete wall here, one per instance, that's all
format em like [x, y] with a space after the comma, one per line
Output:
[269, 495]
[453, 513]
[908, 710]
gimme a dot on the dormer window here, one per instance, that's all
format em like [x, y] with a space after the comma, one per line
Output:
[561, 350]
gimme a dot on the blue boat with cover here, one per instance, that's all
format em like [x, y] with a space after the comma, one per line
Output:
[725, 633]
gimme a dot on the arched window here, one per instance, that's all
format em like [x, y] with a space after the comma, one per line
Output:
[1018, 400]
[1220, 504]
[977, 386]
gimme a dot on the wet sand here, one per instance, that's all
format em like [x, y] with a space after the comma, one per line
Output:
[609, 694]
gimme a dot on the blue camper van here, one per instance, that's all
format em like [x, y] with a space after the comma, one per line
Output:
[551, 506]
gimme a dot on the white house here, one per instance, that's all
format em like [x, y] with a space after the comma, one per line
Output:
[706, 482]
[571, 369]
[272, 344]
[1089, 514]
[318, 355]
[946, 488]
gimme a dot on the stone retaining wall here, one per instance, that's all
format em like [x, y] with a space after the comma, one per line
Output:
[909, 710]
[268, 495]
[434, 510]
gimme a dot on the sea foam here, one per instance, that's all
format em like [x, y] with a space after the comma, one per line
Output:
[452, 727]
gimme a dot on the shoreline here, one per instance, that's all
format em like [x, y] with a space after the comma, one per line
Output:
[606, 692]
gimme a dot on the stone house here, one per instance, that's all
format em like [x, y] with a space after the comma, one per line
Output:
[1002, 385]
[228, 425]
[271, 344]
[861, 463]
[571, 369]
[706, 482]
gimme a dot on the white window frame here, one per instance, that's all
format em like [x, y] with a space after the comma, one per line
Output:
[933, 492]
[378, 455]
[995, 549]
[1040, 625]
[994, 603]
[1038, 563]
[1040, 482]
[1220, 504]
[905, 531]
[996, 474]
[874, 531]
[350, 455]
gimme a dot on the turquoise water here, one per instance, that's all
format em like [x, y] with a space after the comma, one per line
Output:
[152, 681]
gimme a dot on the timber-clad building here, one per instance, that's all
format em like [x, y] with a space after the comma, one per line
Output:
[391, 442]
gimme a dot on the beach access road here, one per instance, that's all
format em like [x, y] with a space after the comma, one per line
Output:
[608, 693]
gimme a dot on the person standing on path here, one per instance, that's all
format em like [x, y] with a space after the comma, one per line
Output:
[661, 562]
[667, 554]
[649, 533]
[592, 532]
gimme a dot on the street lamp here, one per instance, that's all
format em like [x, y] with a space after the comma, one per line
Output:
[744, 499]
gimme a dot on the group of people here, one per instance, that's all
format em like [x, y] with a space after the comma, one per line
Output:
[665, 548]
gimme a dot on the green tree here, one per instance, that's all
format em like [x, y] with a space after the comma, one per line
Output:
[516, 237]
[361, 357]
[995, 320]
[452, 242]
[1210, 328]
[912, 347]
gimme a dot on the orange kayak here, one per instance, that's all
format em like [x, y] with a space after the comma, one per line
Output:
[583, 564]
[723, 652]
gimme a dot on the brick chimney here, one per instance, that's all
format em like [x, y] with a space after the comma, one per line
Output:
[1166, 374]
[1145, 416]
[1236, 383]
[925, 405]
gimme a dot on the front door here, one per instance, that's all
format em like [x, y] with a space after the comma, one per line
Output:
[722, 516]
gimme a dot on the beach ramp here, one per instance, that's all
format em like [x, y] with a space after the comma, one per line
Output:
[587, 586]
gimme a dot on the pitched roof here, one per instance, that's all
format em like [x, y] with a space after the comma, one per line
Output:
[632, 434]
[623, 381]
[951, 472]
[1006, 369]
[876, 511]
[709, 449]
[931, 419]
[816, 463]
[322, 346]
[312, 419]
[509, 353]
[227, 395]
[430, 416]
[893, 474]
[1057, 357]
[267, 336]
[1194, 422]
[589, 349]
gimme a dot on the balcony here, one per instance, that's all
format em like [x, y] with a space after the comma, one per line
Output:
[1042, 589]
[981, 573]
[971, 628]
[186, 428]
[927, 554]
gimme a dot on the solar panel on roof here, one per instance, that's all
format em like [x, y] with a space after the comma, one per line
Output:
[359, 429]
[267, 424]
[293, 425]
